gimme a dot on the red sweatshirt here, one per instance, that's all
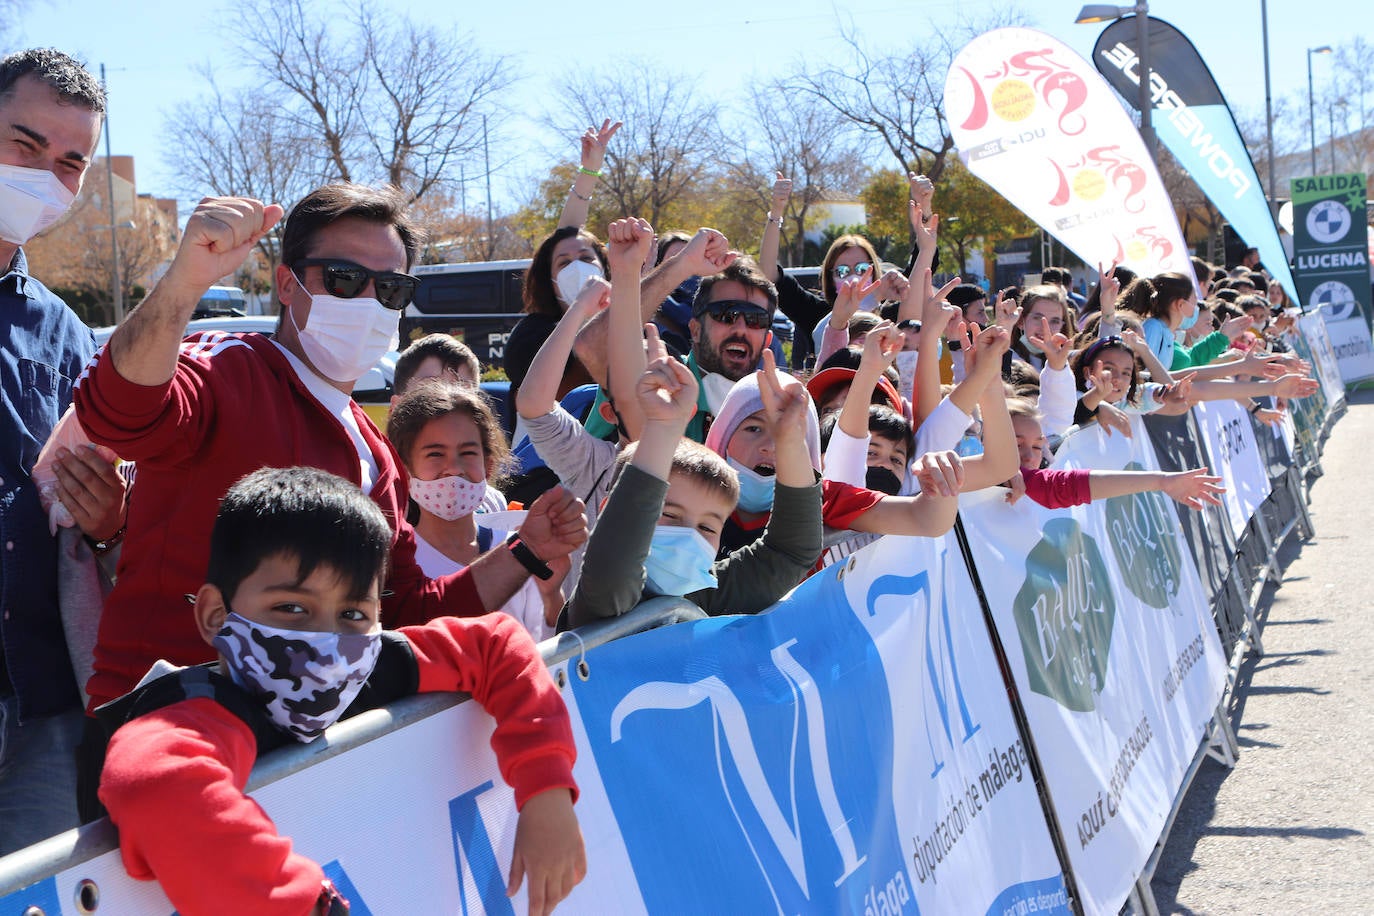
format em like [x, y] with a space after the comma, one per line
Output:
[189, 762]
[233, 406]
[1057, 489]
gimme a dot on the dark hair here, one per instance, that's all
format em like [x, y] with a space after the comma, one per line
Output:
[1261, 283]
[695, 462]
[432, 398]
[450, 351]
[965, 294]
[1082, 362]
[1201, 269]
[1245, 303]
[65, 75]
[1124, 275]
[1154, 297]
[538, 291]
[672, 236]
[316, 518]
[324, 206]
[745, 272]
[886, 423]
[1226, 295]
[837, 248]
[1024, 378]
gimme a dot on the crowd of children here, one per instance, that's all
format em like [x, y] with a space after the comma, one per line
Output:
[706, 471]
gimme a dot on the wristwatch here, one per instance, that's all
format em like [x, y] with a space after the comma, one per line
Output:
[527, 558]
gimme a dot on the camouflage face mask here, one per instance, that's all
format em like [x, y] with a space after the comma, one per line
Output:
[305, 679]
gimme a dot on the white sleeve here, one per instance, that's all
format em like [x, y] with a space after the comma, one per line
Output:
[943, 429]
[1058, 398]
[846, 459]
[906, 369]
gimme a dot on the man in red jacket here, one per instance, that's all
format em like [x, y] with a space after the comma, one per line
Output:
[201, 415]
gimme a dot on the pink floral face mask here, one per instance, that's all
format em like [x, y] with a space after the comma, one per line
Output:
[448, 497]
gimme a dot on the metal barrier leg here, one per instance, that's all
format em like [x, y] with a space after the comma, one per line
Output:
[1143, 897]
[1251, 624]
[1222, 745]
[1271, 557]
[1305, 526]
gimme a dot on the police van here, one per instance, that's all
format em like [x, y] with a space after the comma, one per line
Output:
[478, 303]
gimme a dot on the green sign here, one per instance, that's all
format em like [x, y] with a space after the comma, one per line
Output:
[1064, 615]
[1331, 244]
[1141, 527]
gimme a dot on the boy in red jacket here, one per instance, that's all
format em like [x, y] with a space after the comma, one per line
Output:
[291, 604]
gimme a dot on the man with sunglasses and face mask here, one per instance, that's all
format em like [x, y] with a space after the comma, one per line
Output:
[199, 416]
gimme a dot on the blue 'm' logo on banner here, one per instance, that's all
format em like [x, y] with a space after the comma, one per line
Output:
[759, 750]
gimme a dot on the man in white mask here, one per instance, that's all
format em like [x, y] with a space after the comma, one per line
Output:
[50, 116]
[199, 416]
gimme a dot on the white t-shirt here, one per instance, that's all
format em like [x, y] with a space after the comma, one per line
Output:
[340, 406]
[526, 605]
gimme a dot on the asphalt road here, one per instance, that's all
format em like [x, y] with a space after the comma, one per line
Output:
[1288, 830]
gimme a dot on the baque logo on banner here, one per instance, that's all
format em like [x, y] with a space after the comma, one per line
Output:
[1033, 120]
[1193, 122]
[1065, 615]
[1142, 535]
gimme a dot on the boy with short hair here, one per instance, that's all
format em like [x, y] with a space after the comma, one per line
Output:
[297, 561]
[660, 529]
[435, 356]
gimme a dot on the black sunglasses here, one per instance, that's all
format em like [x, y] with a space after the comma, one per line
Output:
[727, 310]
[347, 281]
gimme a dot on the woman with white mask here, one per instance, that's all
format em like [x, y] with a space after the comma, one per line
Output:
[451, 443]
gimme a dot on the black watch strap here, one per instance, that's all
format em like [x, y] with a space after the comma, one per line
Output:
[536, 566]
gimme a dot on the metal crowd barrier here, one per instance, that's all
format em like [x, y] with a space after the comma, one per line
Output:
[68, 850]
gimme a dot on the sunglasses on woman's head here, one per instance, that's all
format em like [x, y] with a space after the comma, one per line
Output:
[348, 280]
[844, 270]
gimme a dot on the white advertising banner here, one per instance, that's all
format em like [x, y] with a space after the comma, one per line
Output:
[1324, 363]
[1233, 455]
[1115, 654]
[1045, 130]
[851, 751]
[1353, 347]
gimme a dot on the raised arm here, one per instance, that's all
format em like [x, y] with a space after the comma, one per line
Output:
[627, 246]
[999, 459]
[218, 237]
[772, 230]
[936, 315]
[579, 200]
[707, 253]
[538, 393]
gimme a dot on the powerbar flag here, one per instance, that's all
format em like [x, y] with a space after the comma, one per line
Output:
[1032, 119]
[1192, 120]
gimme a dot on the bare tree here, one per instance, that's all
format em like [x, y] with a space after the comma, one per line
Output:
[670, 140]
[807, 141]
[244, 144]
[898, 99]
[385, 97]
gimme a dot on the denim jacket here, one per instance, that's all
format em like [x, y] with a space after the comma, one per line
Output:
[43, 348]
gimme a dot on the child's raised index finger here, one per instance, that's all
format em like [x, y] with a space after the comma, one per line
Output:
[655, 348]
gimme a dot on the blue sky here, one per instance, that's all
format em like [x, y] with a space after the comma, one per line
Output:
[151, 46]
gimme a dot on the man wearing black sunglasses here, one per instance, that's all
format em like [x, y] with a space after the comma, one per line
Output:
[730, 327]
[199, 416]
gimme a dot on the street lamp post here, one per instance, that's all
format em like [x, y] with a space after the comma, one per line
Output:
[117, 287]
[1100, 12]
[1311, 104]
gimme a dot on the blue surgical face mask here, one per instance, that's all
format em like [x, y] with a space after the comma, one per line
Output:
[1188, 321]
[968, 447]
[679, 562]
[755, 490]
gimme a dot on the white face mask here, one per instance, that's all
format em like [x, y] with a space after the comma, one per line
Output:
[570, 280]
[717, 387]
[343, 338]
[31, 200]
[448, 497]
